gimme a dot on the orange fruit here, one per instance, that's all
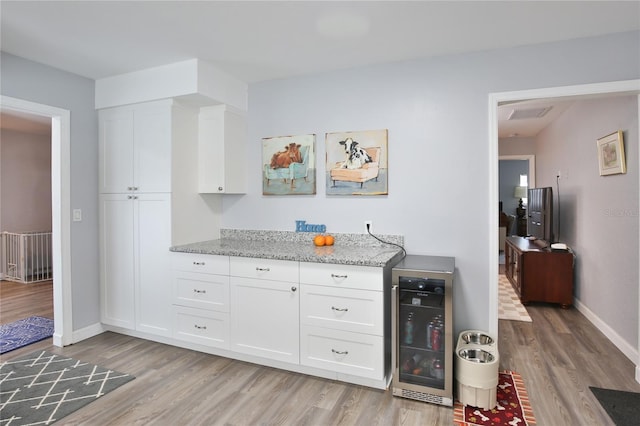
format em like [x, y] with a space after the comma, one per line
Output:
[329, 240]
[319, 240]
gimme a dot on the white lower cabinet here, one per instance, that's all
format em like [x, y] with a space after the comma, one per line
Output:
[265, 312]
[201, 299]
[320, 319]
[355, 354]
[209, 328]
[342, 319]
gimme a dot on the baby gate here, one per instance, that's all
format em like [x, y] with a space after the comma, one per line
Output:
[26, 257]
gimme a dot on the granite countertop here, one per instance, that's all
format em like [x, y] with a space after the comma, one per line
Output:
[349, 249]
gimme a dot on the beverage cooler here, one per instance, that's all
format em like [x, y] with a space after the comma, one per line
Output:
[422, 329]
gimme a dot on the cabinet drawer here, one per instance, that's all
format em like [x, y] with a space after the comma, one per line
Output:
[204, 263]
[203, 327]
[359, 277]
[360, 311]
[205, 291]
[342, 351]
[265, 269]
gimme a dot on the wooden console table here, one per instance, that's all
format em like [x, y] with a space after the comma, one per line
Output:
[539, 274]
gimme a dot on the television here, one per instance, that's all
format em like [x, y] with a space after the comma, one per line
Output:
[540, 214]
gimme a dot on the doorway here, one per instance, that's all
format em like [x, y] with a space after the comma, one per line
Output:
[630, 87]
[60, 209]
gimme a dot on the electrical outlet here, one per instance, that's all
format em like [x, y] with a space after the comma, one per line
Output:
[368, 224]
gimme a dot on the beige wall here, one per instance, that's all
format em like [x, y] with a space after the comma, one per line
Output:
[598, 214]
[25, 181]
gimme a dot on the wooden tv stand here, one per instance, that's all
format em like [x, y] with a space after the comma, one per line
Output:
[539, 274]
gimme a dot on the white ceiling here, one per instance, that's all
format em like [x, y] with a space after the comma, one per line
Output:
[263, 40]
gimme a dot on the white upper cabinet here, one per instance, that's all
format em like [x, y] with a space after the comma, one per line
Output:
[222, 154]
[135, 148]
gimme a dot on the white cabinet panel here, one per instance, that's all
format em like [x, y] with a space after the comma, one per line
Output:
[265, 318]
[342, 351]
[360, 311]
[264, 269]
[205, 291]
[358, 277]
[117, 260]
[152, 148]
[201, 326]
[135, 148]
[116, 150]
[222, 141]
[202, 263]
[153, 238]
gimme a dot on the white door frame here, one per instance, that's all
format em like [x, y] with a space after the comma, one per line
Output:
[61, 210]
[630, 87]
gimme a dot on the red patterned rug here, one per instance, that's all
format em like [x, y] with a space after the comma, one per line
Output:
[513, 406]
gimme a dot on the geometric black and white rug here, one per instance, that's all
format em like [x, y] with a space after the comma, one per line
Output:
[43, 387]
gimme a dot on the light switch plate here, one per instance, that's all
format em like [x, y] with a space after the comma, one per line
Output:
[77, 215]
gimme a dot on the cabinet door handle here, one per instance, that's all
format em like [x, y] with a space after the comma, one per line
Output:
[198, 263]
[340, 352]
[338, 276]
[340, 309]
[195, 290]
[135, 188]
[294, 288]
[129, 188]
[129, 197]
[200, 327]
[262, 269]
[219, 188]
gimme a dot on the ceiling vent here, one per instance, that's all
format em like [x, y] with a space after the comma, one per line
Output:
[521, 114]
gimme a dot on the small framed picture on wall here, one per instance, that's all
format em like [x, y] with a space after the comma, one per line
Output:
[611, 159]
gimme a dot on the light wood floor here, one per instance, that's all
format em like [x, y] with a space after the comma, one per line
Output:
[559, 356]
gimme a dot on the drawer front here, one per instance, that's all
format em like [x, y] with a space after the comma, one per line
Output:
[343, 352]
[360, 311]
[358, 277]
[204, 291]
[203, 263]
[202, 327]
[264, 269]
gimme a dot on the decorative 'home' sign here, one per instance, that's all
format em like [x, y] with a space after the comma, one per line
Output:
[302, 226]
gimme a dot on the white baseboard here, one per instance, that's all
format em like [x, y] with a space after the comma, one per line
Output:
[87, 332]
[628, 350]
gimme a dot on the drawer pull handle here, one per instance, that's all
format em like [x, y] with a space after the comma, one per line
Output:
[198, 263]
[195, 290]
[200, 327]
[340, 309]
[294, 288]
[338, 276]
[340, 352]
[262, 269]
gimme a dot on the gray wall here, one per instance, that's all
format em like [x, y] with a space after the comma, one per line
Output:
[509, 172]
[38, 83]
[598, 214]
[437, 116]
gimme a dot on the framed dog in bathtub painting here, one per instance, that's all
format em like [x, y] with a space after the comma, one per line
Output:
[357, 163]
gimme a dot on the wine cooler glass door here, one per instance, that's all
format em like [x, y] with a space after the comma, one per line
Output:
[420, 331]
